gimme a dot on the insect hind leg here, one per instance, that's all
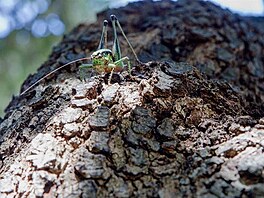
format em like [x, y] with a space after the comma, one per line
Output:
[103, 40]
[113, 17]
[116, 51]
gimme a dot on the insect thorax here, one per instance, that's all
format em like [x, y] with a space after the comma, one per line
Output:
[102, 57]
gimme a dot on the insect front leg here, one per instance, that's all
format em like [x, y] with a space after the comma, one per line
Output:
[83, 68]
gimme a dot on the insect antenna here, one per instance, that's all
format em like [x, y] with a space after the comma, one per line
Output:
[47, 75]
[114, 18]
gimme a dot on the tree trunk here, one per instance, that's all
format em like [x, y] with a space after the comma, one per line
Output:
[188, 123]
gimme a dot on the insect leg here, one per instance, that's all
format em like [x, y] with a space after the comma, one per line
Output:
[116, 47]
[122, 60]
[117, 64]
[103, 40]
[113, 17]
[82, 68]
[111, 74]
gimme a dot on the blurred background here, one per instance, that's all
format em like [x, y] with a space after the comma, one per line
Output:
[30, 28]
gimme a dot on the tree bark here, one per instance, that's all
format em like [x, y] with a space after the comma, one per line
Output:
[188, 123]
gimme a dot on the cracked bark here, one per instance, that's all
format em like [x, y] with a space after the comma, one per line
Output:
[173, 129]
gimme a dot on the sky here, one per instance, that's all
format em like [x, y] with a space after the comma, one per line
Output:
[245, 7]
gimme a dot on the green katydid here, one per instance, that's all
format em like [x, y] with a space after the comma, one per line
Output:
[103, 60]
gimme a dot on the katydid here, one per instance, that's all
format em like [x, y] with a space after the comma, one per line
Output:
[103, 60]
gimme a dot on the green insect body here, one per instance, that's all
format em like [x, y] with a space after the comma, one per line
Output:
[103, 59]
[106, 61]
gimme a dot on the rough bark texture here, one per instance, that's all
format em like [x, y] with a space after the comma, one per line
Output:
[172, 129]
